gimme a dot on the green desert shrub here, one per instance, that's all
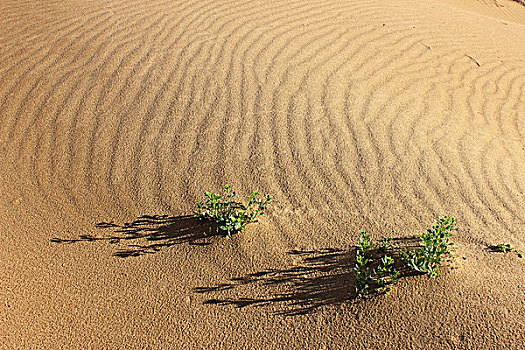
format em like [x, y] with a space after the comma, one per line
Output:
[377, 265]
[229, 215]
[374, 269]
[436, 248]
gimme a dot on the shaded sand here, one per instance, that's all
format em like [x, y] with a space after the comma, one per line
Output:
[378, 115]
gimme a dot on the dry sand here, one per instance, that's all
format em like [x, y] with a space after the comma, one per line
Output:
[377, 115]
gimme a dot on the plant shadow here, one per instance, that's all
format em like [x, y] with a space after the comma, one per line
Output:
[321, 278]
[149, 234]
[504, 249]
[495, 249]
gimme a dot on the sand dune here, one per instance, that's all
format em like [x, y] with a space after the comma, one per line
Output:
[352, 114]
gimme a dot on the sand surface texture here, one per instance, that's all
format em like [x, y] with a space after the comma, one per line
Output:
[377, 115]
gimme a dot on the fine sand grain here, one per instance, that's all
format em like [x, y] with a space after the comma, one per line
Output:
[354, 114]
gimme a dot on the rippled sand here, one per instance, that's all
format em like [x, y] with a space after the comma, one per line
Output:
[378, 115]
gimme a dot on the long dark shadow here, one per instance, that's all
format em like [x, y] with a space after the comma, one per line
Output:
[149, 234]
[322, 278]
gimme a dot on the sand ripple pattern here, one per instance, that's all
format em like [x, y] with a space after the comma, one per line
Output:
[351, 113]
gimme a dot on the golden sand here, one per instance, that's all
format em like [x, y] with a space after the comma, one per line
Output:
[377, 115]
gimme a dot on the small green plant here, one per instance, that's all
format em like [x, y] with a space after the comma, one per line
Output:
[362, 271]
[373, 274]
[380, 264]
[386, 273]
[385, 244]
[506, 248]
[230, 216]
[436, 247]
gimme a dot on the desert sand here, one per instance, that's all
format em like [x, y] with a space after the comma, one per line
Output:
[116, 116]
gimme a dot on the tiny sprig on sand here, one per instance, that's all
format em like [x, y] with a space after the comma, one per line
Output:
[506, 248]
